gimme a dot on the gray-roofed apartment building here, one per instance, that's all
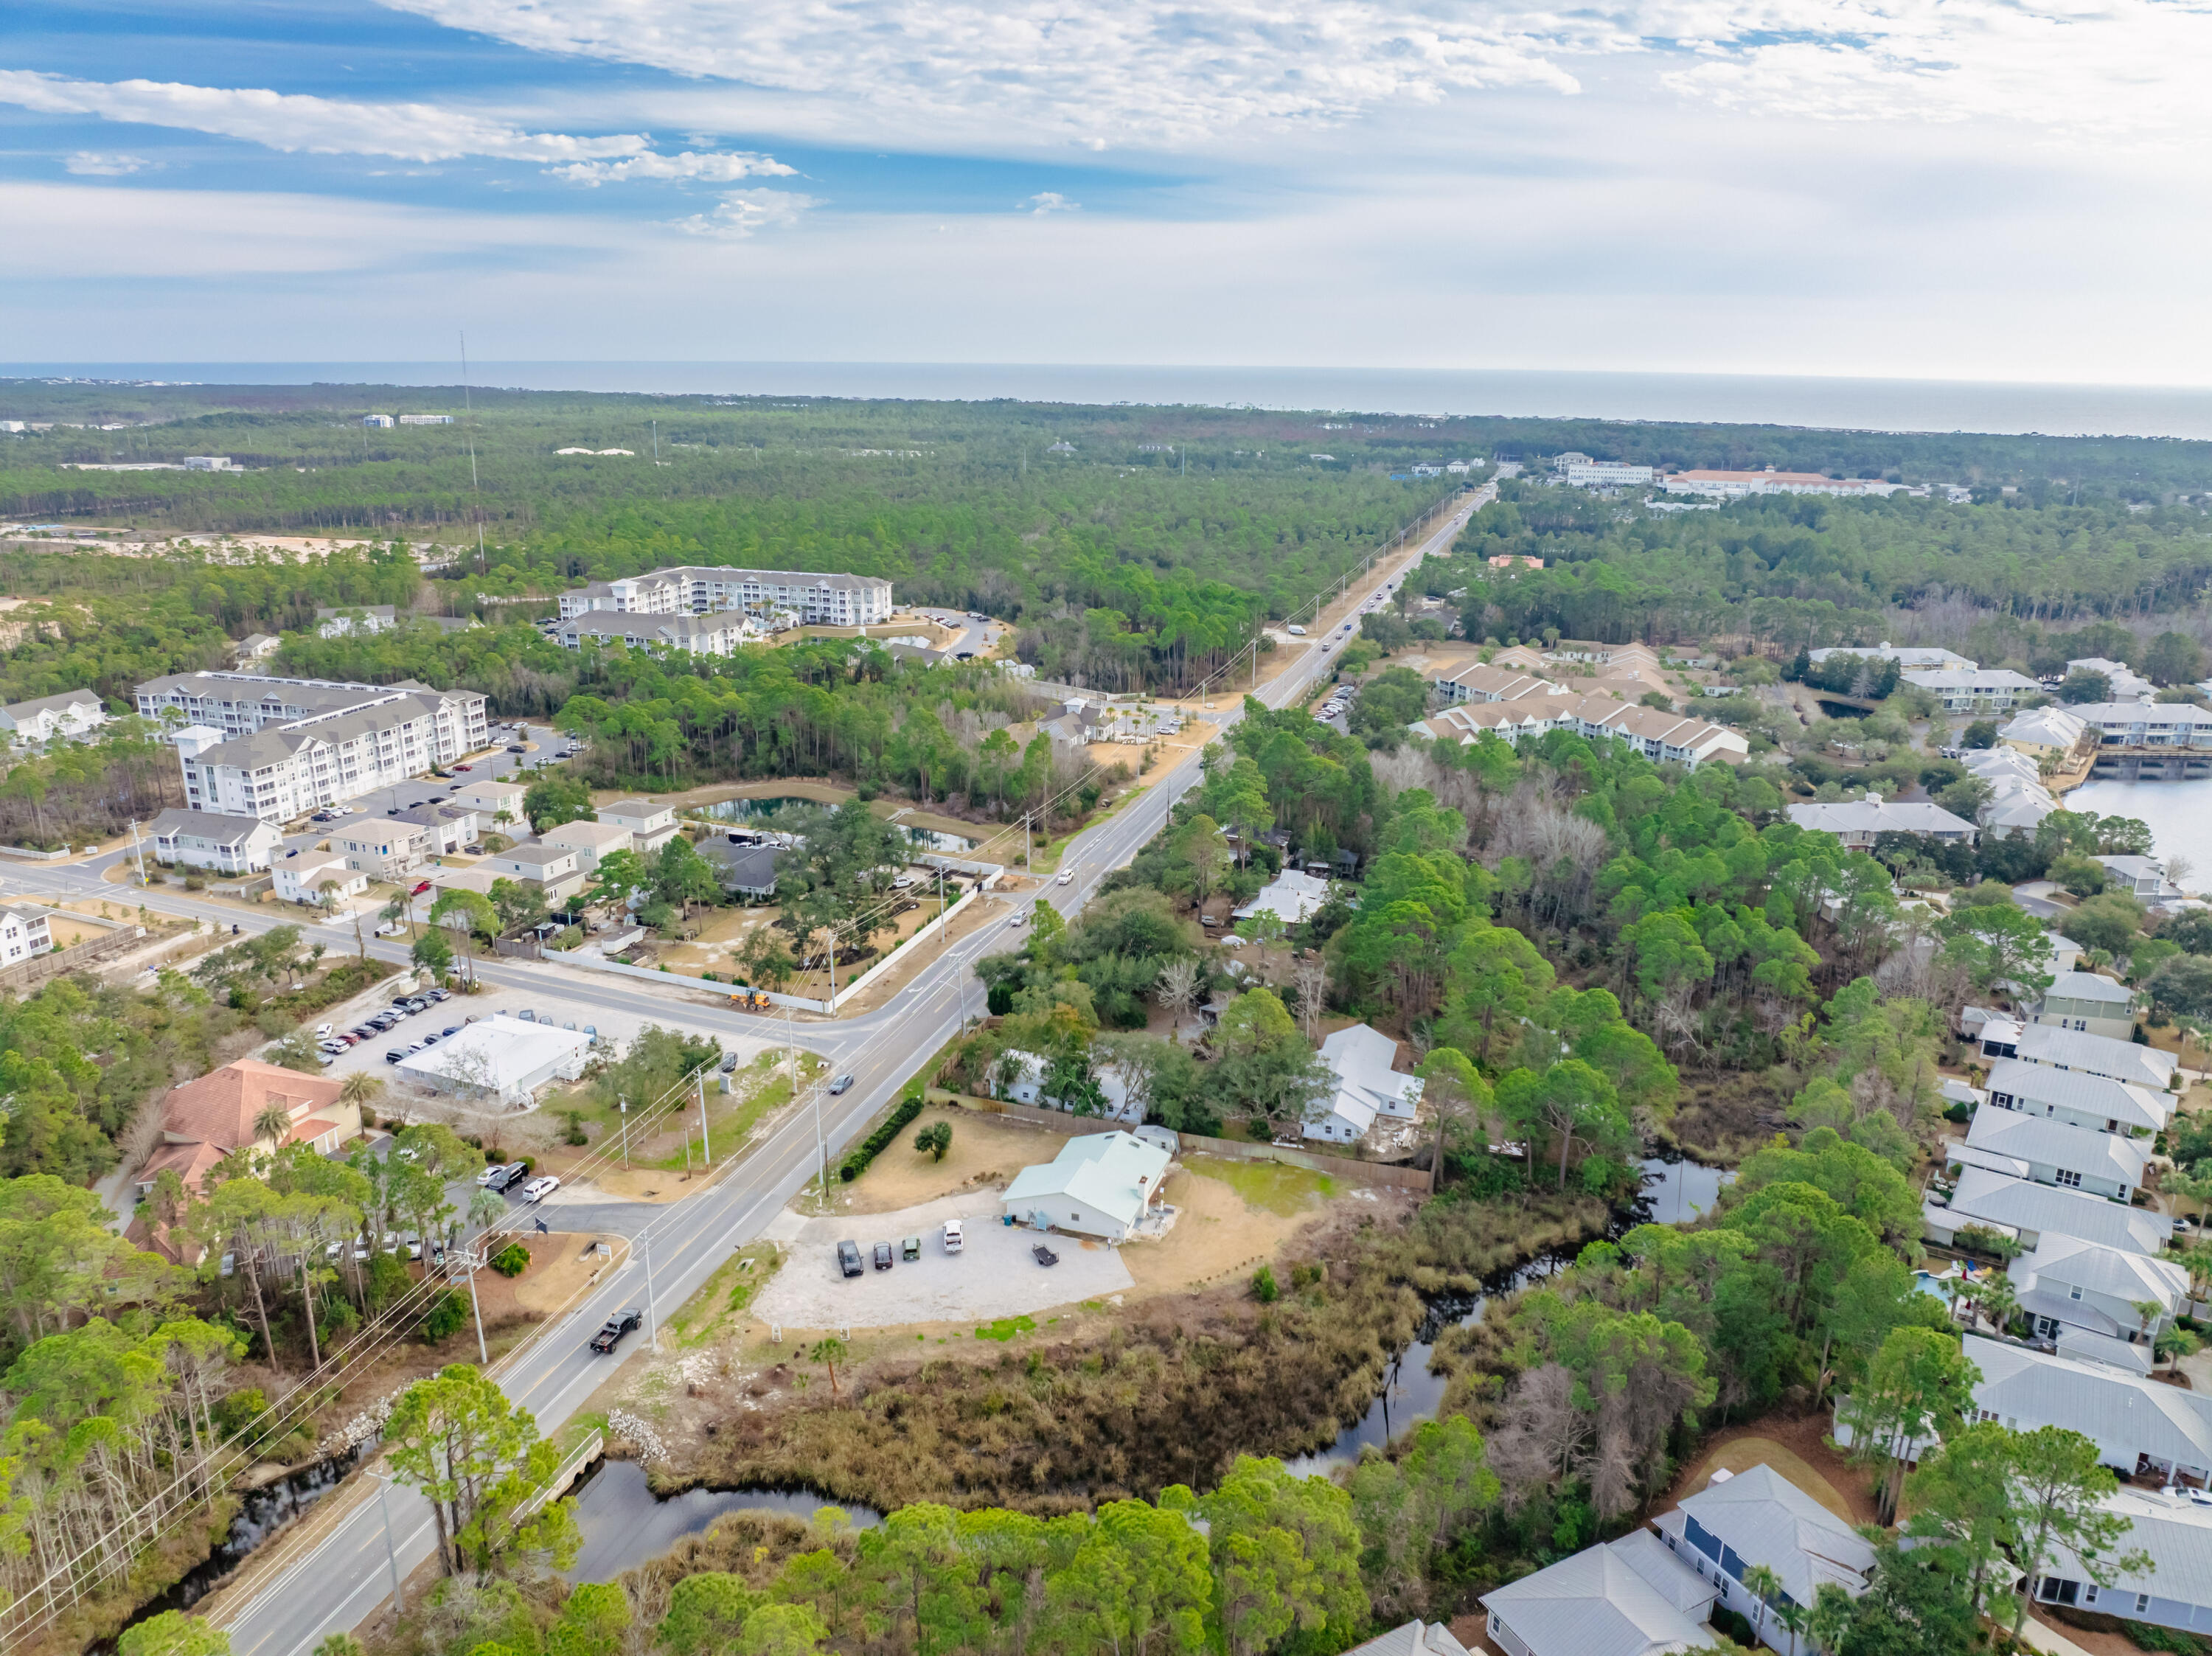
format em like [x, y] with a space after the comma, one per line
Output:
[2087, 1001]
[1759, 1517]
[2054, 1153]
[2173, 1590]
[818, 598]
[2028, 1212]
[2077, 1098]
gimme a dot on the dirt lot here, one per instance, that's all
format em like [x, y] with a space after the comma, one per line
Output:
[986, 1151]
[1795, 1447]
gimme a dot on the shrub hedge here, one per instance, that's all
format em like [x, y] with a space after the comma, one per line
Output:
[857, 1159]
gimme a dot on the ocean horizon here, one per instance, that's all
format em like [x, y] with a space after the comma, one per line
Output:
[1833, 404]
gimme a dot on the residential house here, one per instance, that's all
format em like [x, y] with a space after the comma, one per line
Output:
[2171, 1586]
[1367, 1086]
[2029, 1212]
[1911, 657]
[554, 870]
[202, 839]
[301, 879]
[1664, 737]
[70, 717]
[1974, 690]
[2078, 1098]
[2077, 1049]
[1857, 823]
[650, 826]
[204, 1120]
[1103, 1185]
[1633, 1596]
[1415, 1638]
[2053, 1153]
[747, 872]
[2040, 733]
[2126, 685]
[2140, 877]
[24, 931]
[2068, 1284]
[2143, 1427]
[257, 646]
[383, 850]
[488, 800]
[2084, 1000]
[451, 827]
[589, 841]
[698, 635]
[1291, 896]
[1028, 1072]
[349, 619]
[1759, 1517]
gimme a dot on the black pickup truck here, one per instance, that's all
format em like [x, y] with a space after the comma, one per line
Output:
[620, 1324]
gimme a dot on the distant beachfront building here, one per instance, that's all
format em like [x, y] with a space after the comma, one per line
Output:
[823, 600]
[1735, 485]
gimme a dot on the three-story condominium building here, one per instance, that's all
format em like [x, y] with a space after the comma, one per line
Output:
[298, 745]
[820, 599]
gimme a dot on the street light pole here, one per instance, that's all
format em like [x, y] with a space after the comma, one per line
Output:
[391, 1555]
[706, 1142]
[622, 1106]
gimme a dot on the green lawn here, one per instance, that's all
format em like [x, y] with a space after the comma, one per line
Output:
[723, 1298]
[1270, 1186]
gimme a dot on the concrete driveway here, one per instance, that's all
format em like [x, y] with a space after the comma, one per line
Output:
[994, 1275]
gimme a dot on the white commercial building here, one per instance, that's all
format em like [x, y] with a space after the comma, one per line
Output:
[299, 745]
[1480, 682]
[2127, 684]
[356, 618]
[500, 1057]
[1733, 485]
[1102, 1184]
[827, 600]
[2146, 723]
[1580, 471]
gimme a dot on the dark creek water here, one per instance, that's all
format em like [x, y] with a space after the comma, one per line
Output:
[1672, 1192]
[624, 1523]
[264, 1512]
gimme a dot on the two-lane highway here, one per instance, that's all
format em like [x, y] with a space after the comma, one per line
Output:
[339, 1580]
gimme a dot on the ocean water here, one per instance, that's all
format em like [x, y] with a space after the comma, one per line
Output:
[1834, 403]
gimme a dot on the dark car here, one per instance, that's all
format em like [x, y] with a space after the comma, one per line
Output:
[393, 1056]
[841, 1084]
[518, 748]
[883, 1256]
[848, 1259]
[610, 1332]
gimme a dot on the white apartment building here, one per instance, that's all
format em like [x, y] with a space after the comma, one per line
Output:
[298, 745]
[1733, 485]
[1980, 690]
[2146, 723]
[71, 716]
[1665, 738]
[699, 635]
[229, 844]
[1580, 471]
[823, 600]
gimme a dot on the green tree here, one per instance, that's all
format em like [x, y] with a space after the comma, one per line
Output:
[1914, 1391]
[1265, 1069]
[173, 1633]
[558, 797]
[1960, 1495]
[478, 1461]
[1285, 1553]
[594, 1621]
[706, 1612]
[1140, 1580]
[1565, 1101]
[1998, 942]
[2058, 1487]
[781, 1630]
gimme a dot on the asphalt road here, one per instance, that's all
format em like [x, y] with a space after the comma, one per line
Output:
[340, 1581]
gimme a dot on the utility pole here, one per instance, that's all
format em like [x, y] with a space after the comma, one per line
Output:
[940, 908]
[706, 1142]
[138, 851]
[822, 1145]
[469, 414]
[652, 1318]
[1026, 852]
[623, 1106]
[391, 1555]
[483, 1356]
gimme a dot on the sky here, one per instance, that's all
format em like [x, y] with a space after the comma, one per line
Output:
[1943, 189]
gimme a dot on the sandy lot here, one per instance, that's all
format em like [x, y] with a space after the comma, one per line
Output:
[994, 1276]
[986, 1151]
[559, 1266]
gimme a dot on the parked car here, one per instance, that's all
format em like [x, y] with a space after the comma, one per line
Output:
[611, 1330]
[841, 1086]
[491, 1173]
[429, 1040]
[729, 1062]
[449, 1032]
[540, 1187]
[393, 1056]
[848, 1259]
[517, 747]
[955, 1238]
[420, 889]
[464, 768]
[883, 1256]
[415, 1047]
[442, 995]
[910, 1248]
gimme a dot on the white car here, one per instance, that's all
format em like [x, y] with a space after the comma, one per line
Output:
[1066, 878]
[540, 1187]
[323, 1032]
[1018, 918]
[954, 1240]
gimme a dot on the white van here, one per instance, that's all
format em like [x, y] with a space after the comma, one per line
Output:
[1295, 632]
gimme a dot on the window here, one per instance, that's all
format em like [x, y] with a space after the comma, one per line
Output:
[2073, 1292]
[2142, 1603]
[2070, 1179]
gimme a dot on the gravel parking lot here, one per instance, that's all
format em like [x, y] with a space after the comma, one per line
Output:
[994, 1276]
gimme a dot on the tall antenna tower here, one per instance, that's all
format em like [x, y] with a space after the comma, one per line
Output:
[469, 417]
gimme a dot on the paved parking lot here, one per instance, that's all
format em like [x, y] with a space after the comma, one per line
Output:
[994, 1275]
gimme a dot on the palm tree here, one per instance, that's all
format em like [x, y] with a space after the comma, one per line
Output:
[273, 1122]
[1794, 1618]
[1765, 1586]
[1999, 1301]
[829, 1352]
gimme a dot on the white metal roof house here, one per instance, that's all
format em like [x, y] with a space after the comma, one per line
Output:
[2097, 1055]
[2028, 1212]
[2041, 730]
[203, 839]
[1627, 1597]
[2077, 1098]
[2069, 1283]
[1855, 823]
[1974, 689]
[2075, 1158]
[1414, 1639]
[1759, 1517]
[2175, 1590]
[500, 1057]
[1366, 1086]
[1101, 1185]
[70, 716]
[1027, 1087]
[2138, 1424]
[2145, 876]
[1291, 895]
[301, 879]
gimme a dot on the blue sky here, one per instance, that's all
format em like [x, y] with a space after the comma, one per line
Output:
[1944, 188]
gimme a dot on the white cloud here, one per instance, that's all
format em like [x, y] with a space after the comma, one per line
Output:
[414, 132]
[1092, 73]
[1051, 201]
[1158, 72]
[89, 164]
[717, 168]
[743, 212]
